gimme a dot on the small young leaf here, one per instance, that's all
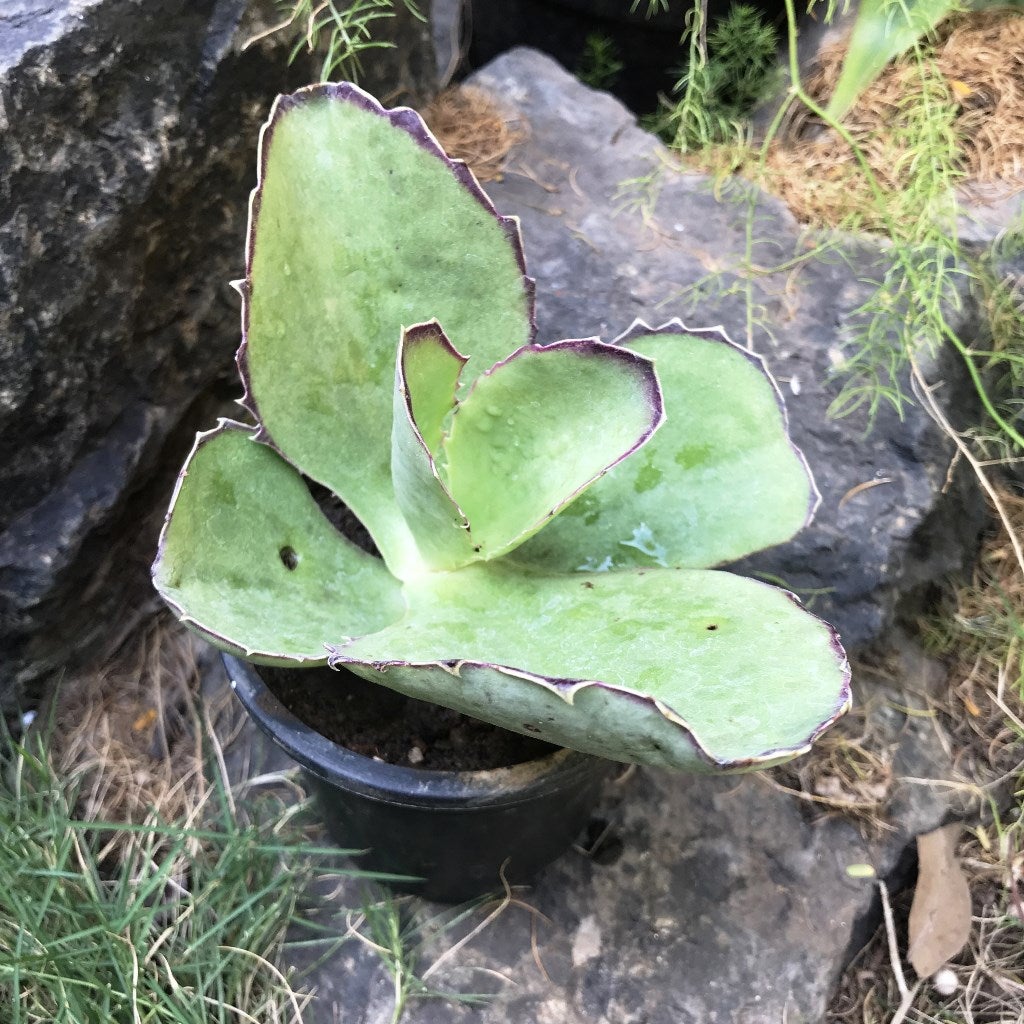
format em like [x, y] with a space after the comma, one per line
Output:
[540, 427]
[431, 368]
[426, 378]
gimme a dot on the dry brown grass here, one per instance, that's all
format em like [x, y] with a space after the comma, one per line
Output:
[982, 719]
[982, 60]
[982, 634]
[989, 980]
[130, 734]
[848, 772]
[989, 972]
[471, 125]
[977, 78]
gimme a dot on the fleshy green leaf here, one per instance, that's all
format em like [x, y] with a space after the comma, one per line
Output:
[426, 378]
[691, 669]
[360, 225]
[430, 367]
[248, 560]
[719, 480]
[540, 427]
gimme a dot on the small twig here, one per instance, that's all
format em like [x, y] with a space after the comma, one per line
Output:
[907, 995]
[574, 185]
[890, 934]
[865, 486]
[1004, 707]
[527, 172]
[311, 26]
[535, 948]
[588, 851]
[136, 1016]
[1009, 659]
[218, 753]
[286, 988]
[491, 972]
[287, 779]
[352, 931]
[252, 40]
[493, 915]
[827, 801]
[906, 1005]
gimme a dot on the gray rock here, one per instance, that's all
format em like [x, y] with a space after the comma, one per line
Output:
[987, 215]
[706, 901]
[127, 150]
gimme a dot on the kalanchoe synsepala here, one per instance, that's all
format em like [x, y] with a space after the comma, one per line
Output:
[547, 516]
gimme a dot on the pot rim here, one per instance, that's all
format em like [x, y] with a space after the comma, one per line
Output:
[385, 781]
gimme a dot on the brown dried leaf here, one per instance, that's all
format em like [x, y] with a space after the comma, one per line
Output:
[940, 916]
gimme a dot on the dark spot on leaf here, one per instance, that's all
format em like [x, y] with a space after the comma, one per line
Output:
[530, 728]
[712, 627]
[648, 478]
[588, 584]
[692, 455]
[476, 547]
[289, 559]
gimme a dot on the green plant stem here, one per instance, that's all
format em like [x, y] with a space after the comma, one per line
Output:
[882, 206]
[979, 385]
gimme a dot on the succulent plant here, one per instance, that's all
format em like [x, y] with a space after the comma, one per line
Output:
[546, 516]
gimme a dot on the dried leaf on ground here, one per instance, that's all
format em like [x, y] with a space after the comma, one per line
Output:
[940, 916]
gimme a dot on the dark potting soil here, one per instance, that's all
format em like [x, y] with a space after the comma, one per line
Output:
[380, 723]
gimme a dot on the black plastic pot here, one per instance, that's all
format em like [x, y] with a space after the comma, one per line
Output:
[453, 830]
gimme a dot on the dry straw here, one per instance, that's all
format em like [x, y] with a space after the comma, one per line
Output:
[471, 126]
[131, 733]
[977, 77]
